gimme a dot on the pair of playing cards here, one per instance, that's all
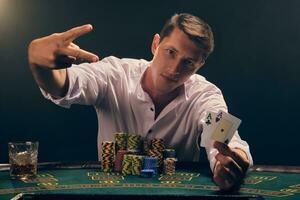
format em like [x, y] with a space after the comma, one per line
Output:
[220, 127]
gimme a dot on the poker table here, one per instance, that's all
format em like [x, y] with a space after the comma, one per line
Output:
[87, 181]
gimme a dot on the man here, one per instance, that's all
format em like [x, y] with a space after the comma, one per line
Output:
[163, 98]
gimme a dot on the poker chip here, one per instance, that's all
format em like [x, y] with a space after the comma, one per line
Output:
[169, 166]
[108, 156]
[156, 150]
[150, 163]
[158, 155]
[127, 164]
[133, 142]
[121, 141]
[132, 164]
[137, 164]
[158, 144]
[119, 160]
[147, 173]
[169, 153]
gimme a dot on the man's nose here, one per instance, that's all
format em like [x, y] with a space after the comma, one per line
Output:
[174, 67]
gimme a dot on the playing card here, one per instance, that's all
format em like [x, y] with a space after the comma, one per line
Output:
[225, 128]
[209, 125]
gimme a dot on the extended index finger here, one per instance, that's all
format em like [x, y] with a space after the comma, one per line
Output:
[79, 53]
[76, 32]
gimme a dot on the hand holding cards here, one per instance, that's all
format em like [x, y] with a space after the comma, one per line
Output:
[220, 127]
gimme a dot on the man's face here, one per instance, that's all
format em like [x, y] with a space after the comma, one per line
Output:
[175, 59]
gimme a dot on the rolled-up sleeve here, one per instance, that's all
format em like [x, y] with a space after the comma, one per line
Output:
[87, 84]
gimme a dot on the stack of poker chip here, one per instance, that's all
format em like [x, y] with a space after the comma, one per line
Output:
[156, 150]
[132, 164]
[169, 166]
[137, 164]
[158, 144]
[120, 139]
[127, 164]
[129, 157]
[158, 155]
[119, 160]
[169, 161]
[107, 157]
[133, 143]
[149, 166]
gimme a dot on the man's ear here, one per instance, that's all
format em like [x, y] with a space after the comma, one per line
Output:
[155, 43]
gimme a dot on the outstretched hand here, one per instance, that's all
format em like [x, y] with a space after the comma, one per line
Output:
[231, 166]
[58, 51]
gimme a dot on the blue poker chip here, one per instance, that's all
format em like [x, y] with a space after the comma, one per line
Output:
[150, 163]
[169, 153]
[147, 173]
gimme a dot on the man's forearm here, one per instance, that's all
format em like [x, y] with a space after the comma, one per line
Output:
[54, 82]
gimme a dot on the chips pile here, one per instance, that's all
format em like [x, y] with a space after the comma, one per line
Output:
[121, 140]
[137, 164]
[169, 161]
[156, 149]
[169, 166]
[107, 157]
[126, 155]
[134, 142]
[150, 166]
[132, 164]
[119, 160]
[127, 164]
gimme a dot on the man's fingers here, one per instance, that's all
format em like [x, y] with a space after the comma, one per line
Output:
[74, 45]
[74, 33]
[230, 164]
[222, 148]
[224, 173]
[79, 53]
[63, 61]
[225, 150]
[223, 178]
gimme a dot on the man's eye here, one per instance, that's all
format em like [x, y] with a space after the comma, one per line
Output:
[188, 63]
[170, 51]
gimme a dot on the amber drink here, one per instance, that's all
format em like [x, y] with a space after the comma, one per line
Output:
[23, 159]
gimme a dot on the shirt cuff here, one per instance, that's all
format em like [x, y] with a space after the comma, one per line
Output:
[71, 95]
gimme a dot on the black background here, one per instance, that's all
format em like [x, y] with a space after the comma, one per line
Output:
[255, 64]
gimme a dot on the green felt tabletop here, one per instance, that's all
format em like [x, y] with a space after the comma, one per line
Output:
[187, 182]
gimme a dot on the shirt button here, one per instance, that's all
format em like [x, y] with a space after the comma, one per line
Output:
[150, 131]
[151, 109]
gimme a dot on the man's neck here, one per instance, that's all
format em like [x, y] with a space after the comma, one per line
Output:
[160, 101]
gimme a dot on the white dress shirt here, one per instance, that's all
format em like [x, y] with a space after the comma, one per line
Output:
[113, 87]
